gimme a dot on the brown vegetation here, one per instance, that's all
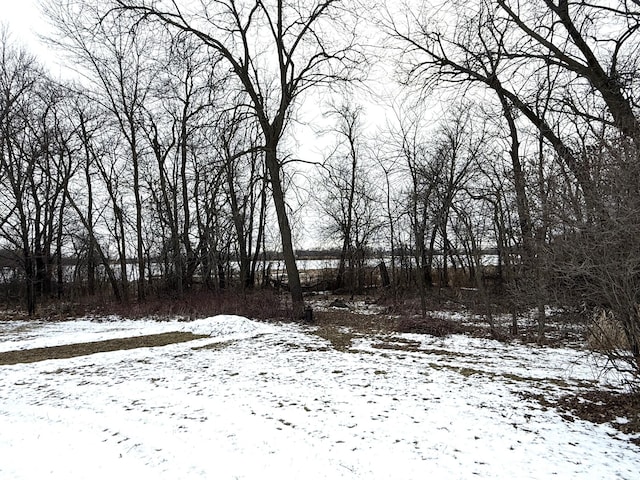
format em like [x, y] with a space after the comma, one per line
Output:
[88, 348]
[258, 304]
[438, 327]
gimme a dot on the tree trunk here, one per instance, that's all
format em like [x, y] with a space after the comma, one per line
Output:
[122, 247]
[260, 236]
[238, 223]
[139, 239]
[295, 287]
[29, 280]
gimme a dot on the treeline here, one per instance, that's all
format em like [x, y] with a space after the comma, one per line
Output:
[513, 126]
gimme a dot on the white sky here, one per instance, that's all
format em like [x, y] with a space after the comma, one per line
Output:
[23, 19]
[25, 22]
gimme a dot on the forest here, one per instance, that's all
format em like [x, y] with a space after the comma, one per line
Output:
[489, 146]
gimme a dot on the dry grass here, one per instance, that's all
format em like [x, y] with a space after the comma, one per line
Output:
[438, 327]
[364, 324]
[340, 327]
[258, 304]
[339, 338]
[79, 349]
[606, 333]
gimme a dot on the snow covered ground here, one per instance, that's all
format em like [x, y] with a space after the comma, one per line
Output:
[263, 401]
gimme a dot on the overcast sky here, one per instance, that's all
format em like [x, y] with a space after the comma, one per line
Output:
[25, 22]
[23, 19]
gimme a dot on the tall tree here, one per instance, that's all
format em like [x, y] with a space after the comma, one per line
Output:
[348, 197]
[277, 50]
[409, 146]
[19, 78]
[82, 195]
[570, 68]
[185, 97]
[458, 145]
[245, 186]
[503, 46]
[115, 58]
[34, 166]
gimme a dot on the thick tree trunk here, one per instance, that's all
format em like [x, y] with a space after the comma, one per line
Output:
[531, 255]
[295, 287]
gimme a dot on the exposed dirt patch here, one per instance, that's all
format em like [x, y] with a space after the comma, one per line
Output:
[216, 345]
[405, 345]
[340, 327]
[438, 327]
[78, 349]
[395, 343]
[620, 410]
[365, 324]
[340, 338]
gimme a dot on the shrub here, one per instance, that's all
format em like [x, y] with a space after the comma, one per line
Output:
[606, 333]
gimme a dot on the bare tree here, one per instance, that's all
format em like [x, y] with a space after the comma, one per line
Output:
[35, 167]
[567, 35]
[347, 201]
[185, 96]
[245, 186]
[570, 69]
[304, 52]
[597, 264]
[387, 164]
[495, 47]
[457, 148]
[115, 58]
[87, 120]
[410, 147]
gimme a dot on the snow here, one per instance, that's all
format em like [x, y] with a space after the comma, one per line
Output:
[261, 401]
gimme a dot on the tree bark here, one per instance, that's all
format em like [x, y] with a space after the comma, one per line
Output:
[293, 276]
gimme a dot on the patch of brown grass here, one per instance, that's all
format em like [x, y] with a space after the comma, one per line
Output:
[340, 327]
[438, 327]
[79, 349]
[340, 338]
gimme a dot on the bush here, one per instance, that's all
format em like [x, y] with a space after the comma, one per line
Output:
[258, 304]
[606, 333]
